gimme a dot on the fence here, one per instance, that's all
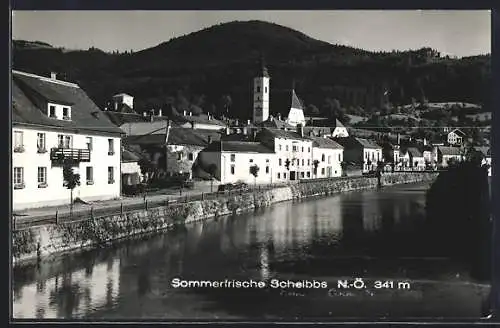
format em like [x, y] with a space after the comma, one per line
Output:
[147, 203]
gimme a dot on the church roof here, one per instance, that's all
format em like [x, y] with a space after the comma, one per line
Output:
[295, 101]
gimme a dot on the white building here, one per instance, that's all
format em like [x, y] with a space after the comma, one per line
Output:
[293, 152]
[130, 169]
[456, 137]
[261, 91]
[54, 122]
[417, 160]
[329, 156]
[199, 122]
[233, 161]
[123, 99]
[445, 154]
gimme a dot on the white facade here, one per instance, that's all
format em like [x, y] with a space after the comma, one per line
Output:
[371, 158]
[233, 167]
[261, 93]
[37, 181]
[329, 160]
[455, 138]
[299, 154]
[123, 98]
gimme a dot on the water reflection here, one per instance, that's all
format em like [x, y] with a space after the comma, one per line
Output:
[70, 294]
[357, 233]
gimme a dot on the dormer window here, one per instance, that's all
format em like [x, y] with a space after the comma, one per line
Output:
[52, 111]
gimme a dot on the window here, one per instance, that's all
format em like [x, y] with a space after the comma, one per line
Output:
[308, 149]
[52, 111]
[42, 177]
[265, 90]
[64, 141]
[322, 171]
[279, 147]
[302, 149]
[373, 156]
[279, 161]
[322, 157]
[232, 169]
[279, 175]
[301, 174]
[302, 162]
[18, 141]
[294, 148]
[40, 142]
[308, 162]
[258, 88]
[190, 156]
[89, 142]
[111, 175]
[267, 160]
[65, 113]
[89, 175]
[286, 147]
[329, 159]
[179, 156]
[340, 158]
[251, 160]
[267, 169]
[18, 177]
[284, 175]
[308, 174]
[233, 157]
[111, 147]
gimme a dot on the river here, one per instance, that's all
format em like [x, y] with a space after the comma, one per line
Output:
[373, 235]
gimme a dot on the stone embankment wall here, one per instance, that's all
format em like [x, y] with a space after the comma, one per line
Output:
[38, 242]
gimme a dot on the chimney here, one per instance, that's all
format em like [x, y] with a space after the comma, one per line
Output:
[145, 114]
[209, 117]
[245, 130]
[160, 112]
[399, 139]
[237, 122]
[248, 122]
[300, 130]
[425, 141]
[279, 116]
[227, 130]
[190, 113]
[271, 118]
[53, 75]
[184, 113]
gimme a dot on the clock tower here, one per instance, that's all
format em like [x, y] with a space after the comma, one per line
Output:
[261, 93]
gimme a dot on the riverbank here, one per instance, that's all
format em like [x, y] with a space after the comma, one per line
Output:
[39, 242]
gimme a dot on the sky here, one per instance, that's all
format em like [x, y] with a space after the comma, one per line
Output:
[452, 32]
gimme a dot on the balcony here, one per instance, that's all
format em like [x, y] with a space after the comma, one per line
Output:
[70, 155]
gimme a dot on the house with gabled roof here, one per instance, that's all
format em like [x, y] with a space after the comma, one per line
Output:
[55, 122]
[327, 157]
[417, 160]
[170, 147]
[445, 154]
[360, 151]
[456, 137]
[293, 152]
[233, 160]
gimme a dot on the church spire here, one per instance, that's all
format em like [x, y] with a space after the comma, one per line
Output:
[262, 67]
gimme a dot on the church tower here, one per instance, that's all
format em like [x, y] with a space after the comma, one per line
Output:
[261, 93]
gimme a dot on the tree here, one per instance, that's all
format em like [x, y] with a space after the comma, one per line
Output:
[315, 166]
[312, 110]
[212, 170]
[195, 110]
[254, 170]
[71, 181]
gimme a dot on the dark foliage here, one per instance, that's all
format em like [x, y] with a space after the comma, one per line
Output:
[458, 207]
[213, 70]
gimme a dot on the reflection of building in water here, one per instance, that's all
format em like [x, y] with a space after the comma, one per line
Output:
[71, 294]
[372, 217]
[264, 261]
[328, 214]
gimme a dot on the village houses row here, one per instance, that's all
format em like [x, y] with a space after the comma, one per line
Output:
[55, 122]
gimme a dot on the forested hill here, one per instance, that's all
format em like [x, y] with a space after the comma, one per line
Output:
[203, 68]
